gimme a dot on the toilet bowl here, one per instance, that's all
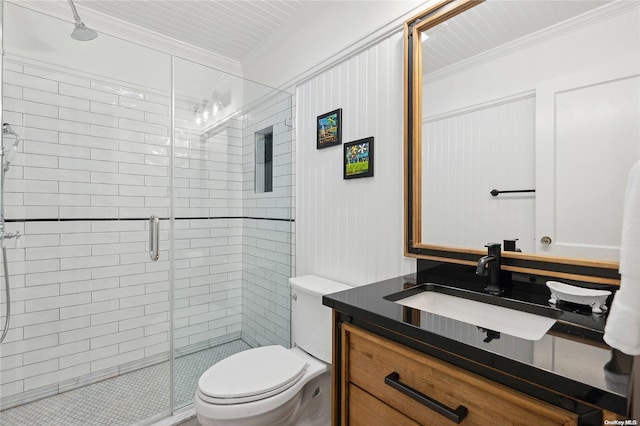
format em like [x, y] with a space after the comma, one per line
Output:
[272, 385]
[257, 396]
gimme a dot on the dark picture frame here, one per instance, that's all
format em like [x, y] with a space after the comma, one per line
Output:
[329, 129]
[358, 158]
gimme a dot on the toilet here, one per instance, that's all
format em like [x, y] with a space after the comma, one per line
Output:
[272, 385]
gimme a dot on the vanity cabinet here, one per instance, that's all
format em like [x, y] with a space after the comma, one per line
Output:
[377, 378]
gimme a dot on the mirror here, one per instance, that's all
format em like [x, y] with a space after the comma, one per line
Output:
[534, 96]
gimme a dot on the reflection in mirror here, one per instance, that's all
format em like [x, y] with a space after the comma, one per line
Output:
[529, 95]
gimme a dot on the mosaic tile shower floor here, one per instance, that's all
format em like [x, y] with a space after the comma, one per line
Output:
[122, 400]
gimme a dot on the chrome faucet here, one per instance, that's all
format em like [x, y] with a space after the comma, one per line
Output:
[489, 265]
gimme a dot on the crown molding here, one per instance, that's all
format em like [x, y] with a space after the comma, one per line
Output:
[516, 97]
[340, 54]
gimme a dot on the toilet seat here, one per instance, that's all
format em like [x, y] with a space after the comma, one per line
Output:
[251, 375]
[286, 400]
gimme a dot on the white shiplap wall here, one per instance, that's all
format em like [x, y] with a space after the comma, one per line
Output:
[352, 231]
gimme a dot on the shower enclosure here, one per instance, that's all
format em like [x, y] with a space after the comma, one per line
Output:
[129, 154]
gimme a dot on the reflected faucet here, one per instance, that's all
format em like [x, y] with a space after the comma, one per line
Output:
[489, 265]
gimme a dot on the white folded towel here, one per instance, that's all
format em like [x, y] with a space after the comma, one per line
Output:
[623, 324]
[630, 243]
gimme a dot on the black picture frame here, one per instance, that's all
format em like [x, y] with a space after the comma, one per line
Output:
[329, 129]
[358, 159]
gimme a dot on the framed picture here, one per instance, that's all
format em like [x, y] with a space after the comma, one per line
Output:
[358, 158]
[329, 132]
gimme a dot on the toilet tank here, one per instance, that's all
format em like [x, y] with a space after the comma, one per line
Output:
[310, 319]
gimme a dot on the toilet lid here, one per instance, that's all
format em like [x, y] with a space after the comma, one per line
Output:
[251, 375]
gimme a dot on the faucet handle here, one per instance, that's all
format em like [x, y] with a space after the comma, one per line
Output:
[494, 249]
[510, 245]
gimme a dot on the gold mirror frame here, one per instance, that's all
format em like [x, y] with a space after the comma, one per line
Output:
[603, 272]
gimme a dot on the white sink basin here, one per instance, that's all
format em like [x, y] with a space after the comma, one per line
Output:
[497, 318]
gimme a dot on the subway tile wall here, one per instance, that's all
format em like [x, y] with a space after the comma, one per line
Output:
[265, 295]
[208, 235]
[94, 163]
[268, 229]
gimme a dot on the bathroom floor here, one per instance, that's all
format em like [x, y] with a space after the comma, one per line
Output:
[125, 399]
[191, 422]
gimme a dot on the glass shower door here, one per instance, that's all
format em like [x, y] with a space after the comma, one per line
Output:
[208, 223]
[232, 236]
[89, 341]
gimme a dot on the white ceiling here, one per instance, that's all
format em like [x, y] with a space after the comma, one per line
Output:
[234, 28]
[495, 23]
[228, 28]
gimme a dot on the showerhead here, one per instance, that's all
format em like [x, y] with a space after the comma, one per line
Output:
[80, 32]
[7, 130]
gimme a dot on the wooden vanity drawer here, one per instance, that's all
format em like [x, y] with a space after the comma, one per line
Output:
[370, 359]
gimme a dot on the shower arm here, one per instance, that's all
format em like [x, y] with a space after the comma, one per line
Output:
[81, 32]
[75, 13]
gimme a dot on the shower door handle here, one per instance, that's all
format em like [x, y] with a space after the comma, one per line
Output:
[154, 237]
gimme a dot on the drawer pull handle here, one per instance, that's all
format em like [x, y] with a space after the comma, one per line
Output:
[456, 415]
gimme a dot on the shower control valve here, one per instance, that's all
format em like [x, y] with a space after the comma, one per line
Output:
[10, 235]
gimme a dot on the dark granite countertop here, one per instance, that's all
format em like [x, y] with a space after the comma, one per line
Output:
[570, 359]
